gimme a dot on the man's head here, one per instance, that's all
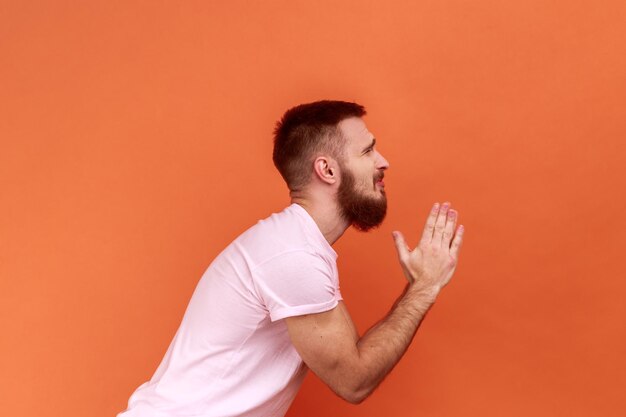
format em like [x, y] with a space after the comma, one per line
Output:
[318, 139]
[306, 131]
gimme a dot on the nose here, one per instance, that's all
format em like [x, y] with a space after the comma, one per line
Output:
[381, 162]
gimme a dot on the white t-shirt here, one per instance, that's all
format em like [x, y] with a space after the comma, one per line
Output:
[232, 355]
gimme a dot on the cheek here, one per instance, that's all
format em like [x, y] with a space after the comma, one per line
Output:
[363, 176]
[366, 181]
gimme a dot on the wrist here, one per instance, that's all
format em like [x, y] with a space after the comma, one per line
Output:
[422, 293]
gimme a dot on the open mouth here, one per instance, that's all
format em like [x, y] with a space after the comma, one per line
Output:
[378, 180]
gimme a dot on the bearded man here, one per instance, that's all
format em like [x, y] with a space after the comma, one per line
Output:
[269, 306]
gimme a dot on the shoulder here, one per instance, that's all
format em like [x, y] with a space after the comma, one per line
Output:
[283, 234]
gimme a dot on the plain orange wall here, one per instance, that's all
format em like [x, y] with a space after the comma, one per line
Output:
[136, 144]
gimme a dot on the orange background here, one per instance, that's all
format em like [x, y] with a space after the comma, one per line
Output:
[136, 144]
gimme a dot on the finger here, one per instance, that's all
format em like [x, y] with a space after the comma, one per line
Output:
[427, 234]
[401, 246]
[457, 242]
[440, 224]
[448, 230]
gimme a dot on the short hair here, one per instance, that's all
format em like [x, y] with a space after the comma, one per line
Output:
[305, 132]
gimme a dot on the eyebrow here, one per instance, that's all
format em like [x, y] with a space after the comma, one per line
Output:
[371, 145]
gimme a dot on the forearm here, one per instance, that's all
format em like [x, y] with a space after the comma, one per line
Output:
[383, 345]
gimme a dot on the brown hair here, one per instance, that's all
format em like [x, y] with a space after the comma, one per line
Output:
[304, 132]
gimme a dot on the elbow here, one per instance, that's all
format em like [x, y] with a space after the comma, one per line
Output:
[355, 396]
[355, 399]
[353, 384]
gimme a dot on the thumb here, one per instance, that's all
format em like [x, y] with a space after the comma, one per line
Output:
[401, 246]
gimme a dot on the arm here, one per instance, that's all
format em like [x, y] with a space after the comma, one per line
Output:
[353, 367]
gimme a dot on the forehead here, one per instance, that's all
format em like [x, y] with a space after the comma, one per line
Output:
[356, 133]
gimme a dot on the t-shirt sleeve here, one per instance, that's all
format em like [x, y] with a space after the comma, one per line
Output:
[297, 283]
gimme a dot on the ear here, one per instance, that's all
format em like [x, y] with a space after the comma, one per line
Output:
[326, 169]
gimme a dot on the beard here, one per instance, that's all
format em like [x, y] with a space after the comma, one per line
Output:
[364, 212]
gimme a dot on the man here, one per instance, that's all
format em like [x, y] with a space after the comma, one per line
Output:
[269, 306]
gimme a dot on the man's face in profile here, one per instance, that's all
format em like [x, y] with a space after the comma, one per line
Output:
[361, 195]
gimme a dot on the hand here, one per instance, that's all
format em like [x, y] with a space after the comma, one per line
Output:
[431, 264]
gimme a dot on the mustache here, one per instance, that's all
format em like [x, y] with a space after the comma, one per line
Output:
[380, 176]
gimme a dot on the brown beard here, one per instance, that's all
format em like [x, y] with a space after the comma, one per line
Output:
[361, 211]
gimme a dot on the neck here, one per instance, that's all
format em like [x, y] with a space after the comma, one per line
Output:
[325, 212]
